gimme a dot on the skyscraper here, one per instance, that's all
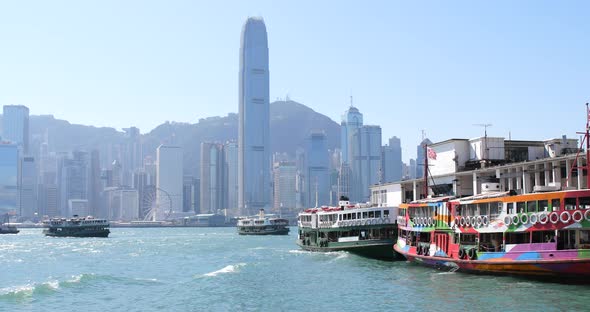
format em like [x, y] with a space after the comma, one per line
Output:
[391, 167]
[213, 192]
[366, 161]
[169, 172]
[318, 172]
[285, 187]
[15, 126]
[351, 120]
[8, 178]
[74, 179]
[231, 160]
[27, 187]
[254, 122]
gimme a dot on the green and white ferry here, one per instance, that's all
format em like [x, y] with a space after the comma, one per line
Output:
[77, 227]
[365, 230]
[263, 224]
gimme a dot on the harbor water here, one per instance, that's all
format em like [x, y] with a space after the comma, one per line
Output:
[214, 269]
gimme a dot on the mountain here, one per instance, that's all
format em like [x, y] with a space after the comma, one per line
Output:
[290, 125]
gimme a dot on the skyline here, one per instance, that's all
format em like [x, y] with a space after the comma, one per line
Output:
[464, 64]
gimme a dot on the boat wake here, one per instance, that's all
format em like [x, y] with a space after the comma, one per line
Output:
[227, 269]
[26, 292]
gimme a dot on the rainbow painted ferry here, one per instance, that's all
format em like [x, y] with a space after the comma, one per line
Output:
[367, 231]
[541, 234]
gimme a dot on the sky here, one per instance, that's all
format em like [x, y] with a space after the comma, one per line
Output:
[434, 66]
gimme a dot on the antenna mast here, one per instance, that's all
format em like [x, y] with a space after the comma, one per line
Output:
[485, 140]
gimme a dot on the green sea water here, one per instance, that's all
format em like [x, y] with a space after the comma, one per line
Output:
[214, 269]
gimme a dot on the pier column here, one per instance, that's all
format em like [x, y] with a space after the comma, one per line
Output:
[474, 183]
[568, 168]
[537, 175]
[455, 186]
[525, 180]
[580, 173]
[414, 190]
[499, 177]
[547, 173]
[556, 172]
[510, 182]
[519, 180]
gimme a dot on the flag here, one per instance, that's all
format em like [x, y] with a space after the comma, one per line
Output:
[431, 153]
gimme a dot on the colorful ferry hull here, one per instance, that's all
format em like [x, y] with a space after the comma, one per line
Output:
[539, 234]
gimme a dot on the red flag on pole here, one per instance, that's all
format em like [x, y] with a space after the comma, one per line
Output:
[431, 153]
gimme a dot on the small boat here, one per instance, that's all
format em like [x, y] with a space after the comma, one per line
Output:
[6, 227]
[367, 231]
[263, 225]
[77, 227]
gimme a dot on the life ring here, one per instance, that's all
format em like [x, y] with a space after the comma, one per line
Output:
[515, 219]
[364, 222]
[467, 221]
[533, 218]
[457, 221]
[473, 221]
[485, 221]
[567, 216]
[507, 220]
[462, 222]
[577, 212]
[479, 221]
[461, 253]
[419, 250]
[430, 221]
[554, 220]
[543, 218]
[472, 254]
[587, 215]
[524, 218]
[426, 251]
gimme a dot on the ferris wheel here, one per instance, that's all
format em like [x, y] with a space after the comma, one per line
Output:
[156, 204]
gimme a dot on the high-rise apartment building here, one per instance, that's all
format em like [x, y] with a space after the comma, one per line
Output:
[8, 178]
[351, 121]
[27, 187]
[169, 167]
[318, 171]
[254, 122]
[366, 161]
[15, 126]
[285, 186]
[391, 162]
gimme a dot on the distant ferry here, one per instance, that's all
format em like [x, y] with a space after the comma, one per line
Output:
[6, 228]
[263, 225]
[366, 231]
[77, 227]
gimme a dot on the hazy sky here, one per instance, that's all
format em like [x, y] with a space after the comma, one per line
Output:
[439, 66]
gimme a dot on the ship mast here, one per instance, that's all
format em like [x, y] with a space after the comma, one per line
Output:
[425, 170]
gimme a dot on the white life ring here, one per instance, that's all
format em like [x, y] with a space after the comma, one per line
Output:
[457, 221]
[479, 221]
[534, 218]
[507, 220]
[462, 222]
[524, 218]
[430, 221]
[587, 215]
[364, 222]
[485, 220]
[554, 220]
[515, 219]
[473, 221]
[543, 218]
[577, 212]
[565, 217]
[467, 221]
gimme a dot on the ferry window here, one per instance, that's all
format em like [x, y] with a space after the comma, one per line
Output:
[531, 206]
[566, 239]
[584, 202]
[520, 207]
[458, 207]
[570, 203]
[378, 214]
[340, 217]
[468, 239]
[543, 205]
[386, 213]
[585, 239]
[364, 214]
[483, 209]
[371, 214]
[354, 216]
[358, 215]
[555, 204]
[510, 208]
[517, 238]
[495, 208]
[543, 236]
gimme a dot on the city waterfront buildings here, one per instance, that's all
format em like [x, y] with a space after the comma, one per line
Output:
[317, 170]
[254, 187]
[169, 172]
[8, 178]
[213, 180]
[15, 126]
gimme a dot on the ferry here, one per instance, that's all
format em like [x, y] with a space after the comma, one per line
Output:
[360, 229]
[263, 225]
[77, 227]
[6, 227]
[544, 234]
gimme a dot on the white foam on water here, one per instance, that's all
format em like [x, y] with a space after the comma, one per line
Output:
[227, 269]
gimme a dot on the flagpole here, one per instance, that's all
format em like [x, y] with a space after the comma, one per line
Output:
[425, 170]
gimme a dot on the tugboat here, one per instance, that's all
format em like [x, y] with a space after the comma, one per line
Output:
[367, 231]
[6, 228]
[263, 225]
[77, 227]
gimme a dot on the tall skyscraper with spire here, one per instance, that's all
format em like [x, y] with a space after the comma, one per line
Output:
[254, 124]
[351, 120]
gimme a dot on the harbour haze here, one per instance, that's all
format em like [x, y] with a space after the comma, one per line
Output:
[214, 269]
